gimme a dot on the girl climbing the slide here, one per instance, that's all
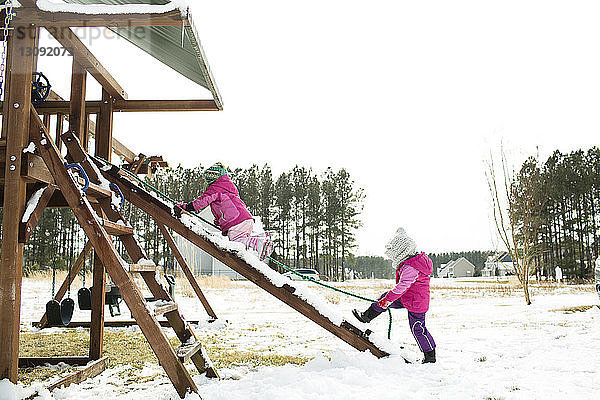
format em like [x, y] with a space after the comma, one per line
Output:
[230, 212]
[411, 291]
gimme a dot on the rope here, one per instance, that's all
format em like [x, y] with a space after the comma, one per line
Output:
[334, 289]
[165, 197]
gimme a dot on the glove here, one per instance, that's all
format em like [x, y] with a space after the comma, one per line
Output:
[367, 316]
[189, 207]
[383, 303]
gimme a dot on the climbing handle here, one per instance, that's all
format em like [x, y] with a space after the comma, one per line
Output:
[119, 193]
[82, 172]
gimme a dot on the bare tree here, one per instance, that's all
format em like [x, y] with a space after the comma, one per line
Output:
[517, 207]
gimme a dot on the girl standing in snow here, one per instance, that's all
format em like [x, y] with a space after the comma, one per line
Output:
[230, 212]
[411, 290]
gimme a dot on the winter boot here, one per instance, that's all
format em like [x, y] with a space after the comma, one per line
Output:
[366, 316]
[429, 357]
[265, 247]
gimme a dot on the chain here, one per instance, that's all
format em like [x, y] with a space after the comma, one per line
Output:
[8, 9]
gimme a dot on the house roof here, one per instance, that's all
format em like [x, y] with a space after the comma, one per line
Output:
[500, 257]
[178, 47]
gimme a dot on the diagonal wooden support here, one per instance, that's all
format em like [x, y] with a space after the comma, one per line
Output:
[83, 56]
[68, 280]
[186, 270]
[114, 264]
[26, 227]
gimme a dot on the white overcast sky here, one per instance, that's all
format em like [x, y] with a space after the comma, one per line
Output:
[408, 96]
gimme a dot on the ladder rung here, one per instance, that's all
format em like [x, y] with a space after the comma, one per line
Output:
[141, 268]
[115, 229]
[187, 351]
[164, 308]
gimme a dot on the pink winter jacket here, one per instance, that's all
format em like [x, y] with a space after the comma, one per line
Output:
[412, 284]
[225, 203]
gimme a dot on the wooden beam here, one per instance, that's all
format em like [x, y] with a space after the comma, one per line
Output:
[122, 151]
[104, 128]
[186, 270]
[83, 56]
[93, 106]
[98, 305]
[77, 120]
[115, 229]
[26, 227]
[32, 362]
[15, 128]
[121, 323]
[165, 105]
[58, 21]
[89, 371]
[68, 279]
[78, 155]
[60, 119]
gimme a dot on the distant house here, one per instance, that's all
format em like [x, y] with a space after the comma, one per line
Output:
[499, 264]
[460, 268]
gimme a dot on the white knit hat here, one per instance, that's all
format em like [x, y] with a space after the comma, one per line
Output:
[400, 247]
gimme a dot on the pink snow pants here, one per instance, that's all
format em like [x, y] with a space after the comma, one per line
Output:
[242, 233]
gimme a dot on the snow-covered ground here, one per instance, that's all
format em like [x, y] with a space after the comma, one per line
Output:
[490, 346]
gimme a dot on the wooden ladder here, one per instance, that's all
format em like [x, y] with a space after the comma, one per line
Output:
[172, 360]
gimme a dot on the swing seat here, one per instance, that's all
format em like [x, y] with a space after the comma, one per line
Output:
[60, 314]
[53, 313]
[84, 299]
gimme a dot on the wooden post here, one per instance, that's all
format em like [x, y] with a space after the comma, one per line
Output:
[77, 117]
[15, 128]
[104, 127]
[102, 149]
[98, 305]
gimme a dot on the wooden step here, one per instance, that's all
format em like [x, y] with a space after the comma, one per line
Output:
[165, 307]
[187, 350]
[95, 190]
[114, 229]
[142, 268]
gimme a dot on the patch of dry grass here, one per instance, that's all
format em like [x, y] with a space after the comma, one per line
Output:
[184, 288]
[571, 310]
[127, 348]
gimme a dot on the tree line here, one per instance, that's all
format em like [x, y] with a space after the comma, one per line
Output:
[312, 218]
[556, 208]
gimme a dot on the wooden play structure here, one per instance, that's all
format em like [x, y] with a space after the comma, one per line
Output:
[44, 177]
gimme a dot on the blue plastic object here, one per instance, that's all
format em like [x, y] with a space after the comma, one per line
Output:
[116, 188]
[82, 172]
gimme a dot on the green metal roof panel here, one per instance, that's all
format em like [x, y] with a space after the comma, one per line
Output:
[176, 46]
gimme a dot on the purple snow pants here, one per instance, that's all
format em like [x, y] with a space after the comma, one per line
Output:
[416, 321]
